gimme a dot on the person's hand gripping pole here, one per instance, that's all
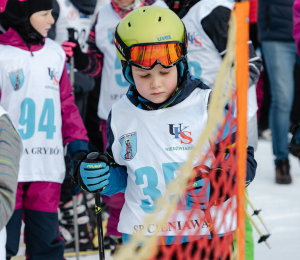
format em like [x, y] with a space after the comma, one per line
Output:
[92, 174]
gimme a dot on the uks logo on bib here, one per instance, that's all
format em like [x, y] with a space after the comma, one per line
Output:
[128, 142]
[194, 38]
[17, 79]
[184, 135]
[53, 76]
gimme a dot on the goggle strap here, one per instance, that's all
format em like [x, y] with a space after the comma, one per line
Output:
[121, 46]
[185, 42]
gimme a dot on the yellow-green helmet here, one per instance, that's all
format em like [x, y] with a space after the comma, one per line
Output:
[147, 25]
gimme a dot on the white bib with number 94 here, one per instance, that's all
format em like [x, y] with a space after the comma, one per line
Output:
[31, 95]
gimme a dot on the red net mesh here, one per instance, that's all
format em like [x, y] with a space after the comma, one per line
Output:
[208, 203]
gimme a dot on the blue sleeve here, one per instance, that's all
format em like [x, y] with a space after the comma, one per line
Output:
[251, 165]
[118, 173]
[117, 181]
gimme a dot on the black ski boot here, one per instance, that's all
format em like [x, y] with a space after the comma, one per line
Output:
[283, 172]
[67, 228]
[113, 243]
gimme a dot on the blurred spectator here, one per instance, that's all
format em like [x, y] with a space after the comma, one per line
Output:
[295, 144]
[275, 24]
[296, 17]
[295, 115]
[77, 15]
[10, 152]
[253, 22]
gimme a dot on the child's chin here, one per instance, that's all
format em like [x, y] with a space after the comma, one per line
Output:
[158, 101]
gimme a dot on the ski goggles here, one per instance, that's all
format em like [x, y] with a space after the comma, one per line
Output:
[147, 55]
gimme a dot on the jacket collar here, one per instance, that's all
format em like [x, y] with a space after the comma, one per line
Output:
[11, 37]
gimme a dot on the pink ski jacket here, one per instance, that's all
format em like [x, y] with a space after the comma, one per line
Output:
[72, 125]
[296, 17]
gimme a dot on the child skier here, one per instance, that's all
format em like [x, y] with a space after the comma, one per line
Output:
[82, 13]
[160, 94]
[101, 58]
[42, 109]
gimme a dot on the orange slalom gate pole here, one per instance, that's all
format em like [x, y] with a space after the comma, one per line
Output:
[242, 56]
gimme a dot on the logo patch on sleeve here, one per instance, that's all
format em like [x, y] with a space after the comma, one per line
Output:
[129, 146]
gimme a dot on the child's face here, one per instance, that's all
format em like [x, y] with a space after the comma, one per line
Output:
[124, 3]
[42, 21]
[155, 85]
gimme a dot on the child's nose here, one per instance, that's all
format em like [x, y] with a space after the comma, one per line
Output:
[155, 83]
[51, 19]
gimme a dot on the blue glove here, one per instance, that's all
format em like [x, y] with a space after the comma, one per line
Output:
[198, 193]
[207, 188]
[91, 171]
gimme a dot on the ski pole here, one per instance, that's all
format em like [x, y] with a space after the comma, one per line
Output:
[263, 238]
[71, 33]
[256, 212]
[95, 156]
[99, 226]
[75, 222]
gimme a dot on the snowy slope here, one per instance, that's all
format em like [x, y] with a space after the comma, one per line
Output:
[280, 205]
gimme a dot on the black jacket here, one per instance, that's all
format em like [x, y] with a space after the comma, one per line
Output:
[275, 20]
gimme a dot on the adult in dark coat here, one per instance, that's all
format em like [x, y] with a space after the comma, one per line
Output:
[275, 25]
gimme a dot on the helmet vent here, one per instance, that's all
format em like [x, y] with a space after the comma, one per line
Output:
[144, 10]
[129, 24]
[159, 19]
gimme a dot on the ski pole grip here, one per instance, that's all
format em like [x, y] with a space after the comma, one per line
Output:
[96, 157]
[71, 34]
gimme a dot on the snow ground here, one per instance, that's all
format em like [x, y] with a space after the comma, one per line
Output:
[280, 206]
[280, 209]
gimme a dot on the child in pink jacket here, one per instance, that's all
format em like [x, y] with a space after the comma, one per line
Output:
[36, 92]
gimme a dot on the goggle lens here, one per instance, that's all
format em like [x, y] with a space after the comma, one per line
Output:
[147, 55]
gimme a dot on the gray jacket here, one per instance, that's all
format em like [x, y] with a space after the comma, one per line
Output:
[10, 152]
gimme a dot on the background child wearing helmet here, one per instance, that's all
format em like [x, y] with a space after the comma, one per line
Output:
[42, 109]
[78, 15]
[101, 58]
[160, 95]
